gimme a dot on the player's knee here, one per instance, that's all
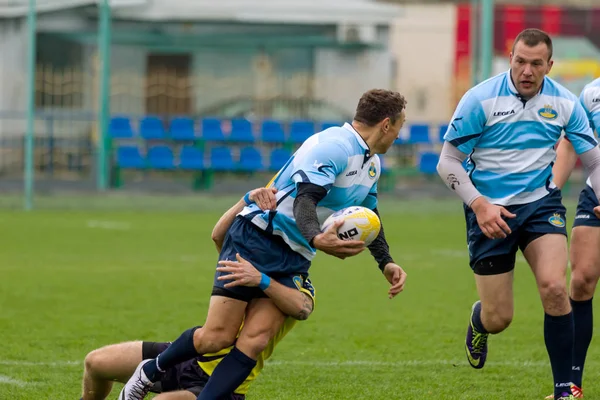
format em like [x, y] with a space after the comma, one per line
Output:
[254, 343]
[211, 340]
[498, 320]
[96, 362]
[584, 279]
[553, 293]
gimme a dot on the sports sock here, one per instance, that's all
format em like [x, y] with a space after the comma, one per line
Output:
[179, 351]
[583, 318]
[228, 375]
[558, 335]
[476, 319]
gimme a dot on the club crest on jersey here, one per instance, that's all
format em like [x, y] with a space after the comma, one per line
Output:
[372, 170]
[298, 281]
[548, 112]
[557, 220]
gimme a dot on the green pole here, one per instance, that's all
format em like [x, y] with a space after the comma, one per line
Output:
[31, 24]
[487, 38]
[474, 42]
[104, 93]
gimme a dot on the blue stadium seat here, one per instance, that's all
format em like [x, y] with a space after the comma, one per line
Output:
[272, 132]
[130, 157]
[191, 158]
[221, 159]
[241, 131]
[250, 159]
[161, 157]
[211, 130]
[120, 128]
[152, 128]
[278, 159]
[301, 130]
[443, 129]
[182, 128]
[419, 134]
[329, 124]
[428, 162]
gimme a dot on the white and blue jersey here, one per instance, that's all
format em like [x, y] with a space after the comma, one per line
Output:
[511, 142]
[339, 160]
[590, 100]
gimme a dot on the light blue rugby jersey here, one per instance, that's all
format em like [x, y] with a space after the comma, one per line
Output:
[590, 100]
[511, 142]
[337, 159]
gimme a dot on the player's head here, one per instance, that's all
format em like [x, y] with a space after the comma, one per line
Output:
[530, 61]
[381, 113]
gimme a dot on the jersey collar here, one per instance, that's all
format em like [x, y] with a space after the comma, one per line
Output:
[361, 141]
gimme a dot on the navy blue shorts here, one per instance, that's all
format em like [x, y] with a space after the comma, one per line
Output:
[585, 209]
[268, 253]
[185, 376]
[544, 216]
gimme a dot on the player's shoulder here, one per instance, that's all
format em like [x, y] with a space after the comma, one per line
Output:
[338, 139]
[590, 95]
[555, 89]
[592, 85]
[491, 88]
[495, 86]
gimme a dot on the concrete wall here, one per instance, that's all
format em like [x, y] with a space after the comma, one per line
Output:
[423, 45]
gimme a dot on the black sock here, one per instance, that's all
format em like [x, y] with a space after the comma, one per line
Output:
[583, 318]
[476, 319]
[227, 376]
[558, 334]
[179, 351]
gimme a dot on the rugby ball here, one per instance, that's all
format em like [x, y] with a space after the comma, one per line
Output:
[360, 223]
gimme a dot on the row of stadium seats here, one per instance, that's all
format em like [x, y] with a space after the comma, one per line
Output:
[242, 130]
[221, 159]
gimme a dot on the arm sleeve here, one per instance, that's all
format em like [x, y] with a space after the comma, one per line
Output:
[591, 161]
[467, 124]
[305, 209]
[379, 248]
[453, 173]
[578, 130]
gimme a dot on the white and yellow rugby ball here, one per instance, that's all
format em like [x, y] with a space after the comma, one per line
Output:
[360, 223]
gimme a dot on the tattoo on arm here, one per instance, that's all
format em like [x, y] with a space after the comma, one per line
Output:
[307, 308]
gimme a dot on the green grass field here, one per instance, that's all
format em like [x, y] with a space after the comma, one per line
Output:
[71, 281]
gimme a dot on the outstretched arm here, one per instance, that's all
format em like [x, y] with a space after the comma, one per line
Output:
[263, 197]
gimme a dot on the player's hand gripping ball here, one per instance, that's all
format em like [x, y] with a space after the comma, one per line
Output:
[360, 223]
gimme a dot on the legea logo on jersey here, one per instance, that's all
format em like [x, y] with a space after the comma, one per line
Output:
[372, 170]
[557, 220]
[547, 112]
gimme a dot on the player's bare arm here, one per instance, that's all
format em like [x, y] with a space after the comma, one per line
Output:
[566, 158]
[292, 302]
[489, 216]
[263, 197]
